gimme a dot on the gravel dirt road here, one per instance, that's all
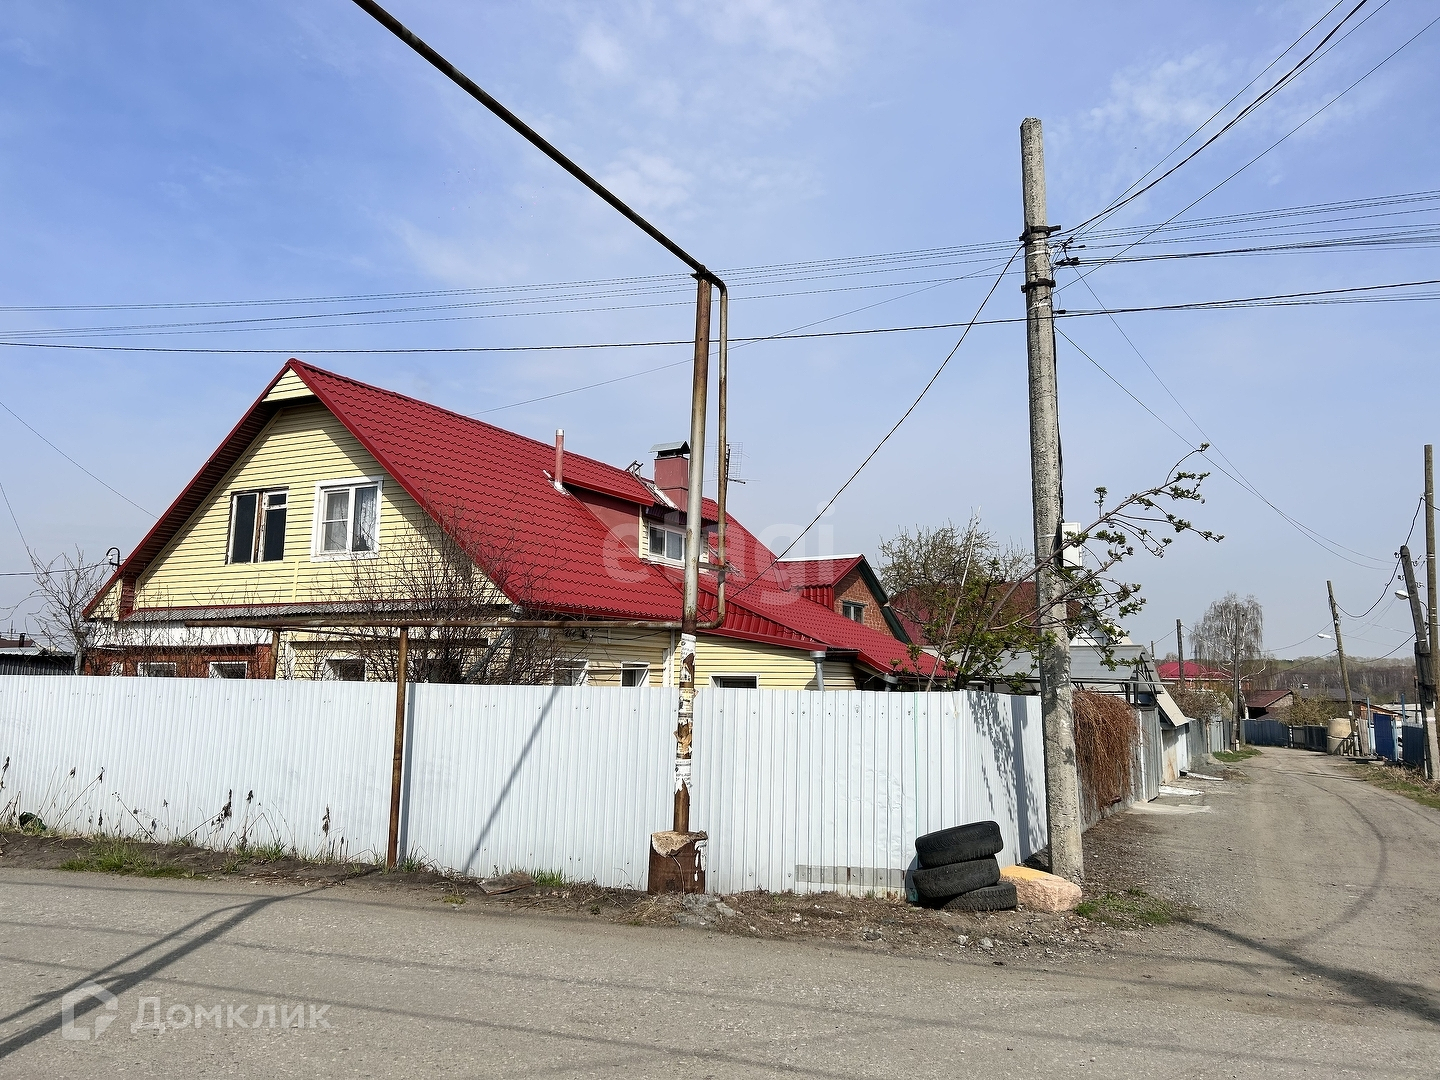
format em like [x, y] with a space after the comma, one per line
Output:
[1310, 950]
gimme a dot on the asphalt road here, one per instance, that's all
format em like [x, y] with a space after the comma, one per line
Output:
[1313, 953]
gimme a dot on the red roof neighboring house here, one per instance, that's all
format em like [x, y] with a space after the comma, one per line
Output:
[1169, 671]
[464, 472]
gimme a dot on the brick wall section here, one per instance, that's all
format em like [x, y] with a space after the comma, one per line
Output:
[189, 663]
[852, 587]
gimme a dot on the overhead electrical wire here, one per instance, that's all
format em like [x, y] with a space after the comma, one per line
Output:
[1205, 195]
[1254, 104]
[1353, 294]
[1238, 475]
[824, 509]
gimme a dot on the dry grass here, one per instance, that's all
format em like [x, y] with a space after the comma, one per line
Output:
[1106, 732]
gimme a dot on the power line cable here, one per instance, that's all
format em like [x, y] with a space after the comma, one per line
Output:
[1238, 475]
[72, 461]
[1280, 140]
[1305, 298]
[1263, 97]
[886, 438]
[1310, 535]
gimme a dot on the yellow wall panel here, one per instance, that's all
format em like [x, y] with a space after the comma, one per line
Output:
[300, 448]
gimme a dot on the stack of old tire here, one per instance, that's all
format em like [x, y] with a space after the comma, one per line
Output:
[958, 870]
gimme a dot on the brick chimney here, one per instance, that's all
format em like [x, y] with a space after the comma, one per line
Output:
[672, 471]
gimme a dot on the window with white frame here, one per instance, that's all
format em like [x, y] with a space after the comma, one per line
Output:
[735, 682]
[853, 610]
[229, 669]
[154, 670]
[667, 544]
[257, 526]
[635, 674]
[570, 672]
[347, 518]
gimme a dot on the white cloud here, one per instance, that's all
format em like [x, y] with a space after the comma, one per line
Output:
[649, 181]
[603, 50]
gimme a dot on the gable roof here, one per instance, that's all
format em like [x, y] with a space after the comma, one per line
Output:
[1263, 699]
[466, 473]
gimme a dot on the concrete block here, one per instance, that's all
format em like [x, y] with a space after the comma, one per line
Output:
[1036, 890]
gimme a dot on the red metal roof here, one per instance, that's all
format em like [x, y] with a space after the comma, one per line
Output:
[468, 475]
[1170, 671]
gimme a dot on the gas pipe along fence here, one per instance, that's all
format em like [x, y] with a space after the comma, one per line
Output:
[798, 790]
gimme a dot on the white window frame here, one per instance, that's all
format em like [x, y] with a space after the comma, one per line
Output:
[860, 604]
[641, 666]
[661, 557]
[317, 522]
[714, 679]
[257, 541]
[583, 665]
[215, 669]
[143, 669]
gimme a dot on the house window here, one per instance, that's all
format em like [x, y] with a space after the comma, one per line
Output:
[735, 682]
[154, 670]
[117, 667]
[229, 669]
[345, 670]
[667, 544]
[853, 610]
[570, 672]
[347, 518]
[634, 674]
[257, 526]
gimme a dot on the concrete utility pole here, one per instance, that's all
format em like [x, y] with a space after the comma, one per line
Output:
[1344, 672]
[1062, 780]
[1432, 750]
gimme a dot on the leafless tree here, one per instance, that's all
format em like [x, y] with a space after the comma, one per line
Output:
[449, 577]
[65, 585]
[1001, 621]
[1232, 633]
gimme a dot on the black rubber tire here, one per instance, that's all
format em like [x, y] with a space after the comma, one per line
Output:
[963, 843]
[999, 897]
[939, 884]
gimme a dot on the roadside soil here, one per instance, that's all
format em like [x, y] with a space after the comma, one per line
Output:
[1119, 905]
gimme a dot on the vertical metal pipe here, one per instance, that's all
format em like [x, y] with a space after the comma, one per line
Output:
[694, 537]
[723, 485]
[392, 851]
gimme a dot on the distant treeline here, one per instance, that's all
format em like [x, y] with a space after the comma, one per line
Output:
[1379, 680]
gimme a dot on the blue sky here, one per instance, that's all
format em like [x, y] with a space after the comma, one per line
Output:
[178, 153]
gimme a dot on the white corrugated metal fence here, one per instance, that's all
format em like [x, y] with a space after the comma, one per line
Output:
[797, 789]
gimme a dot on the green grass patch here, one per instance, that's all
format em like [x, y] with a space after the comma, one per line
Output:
[1402, 781]
[116, 856]
[1131, 907]
[550, 879]
[1230, 757]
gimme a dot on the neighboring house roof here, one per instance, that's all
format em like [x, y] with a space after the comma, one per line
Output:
[1170, 671]
[818, 576]
[1263, 699]
[467, 474]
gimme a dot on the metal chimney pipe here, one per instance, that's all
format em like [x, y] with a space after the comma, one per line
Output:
[559, 459]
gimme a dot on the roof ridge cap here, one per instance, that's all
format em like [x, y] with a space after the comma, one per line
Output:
[458, 415]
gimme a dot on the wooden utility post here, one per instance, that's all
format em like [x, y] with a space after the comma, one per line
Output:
[1424, 662]
[1062, 781]
[392, 852]
[1344, 671]
[1180, 651]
